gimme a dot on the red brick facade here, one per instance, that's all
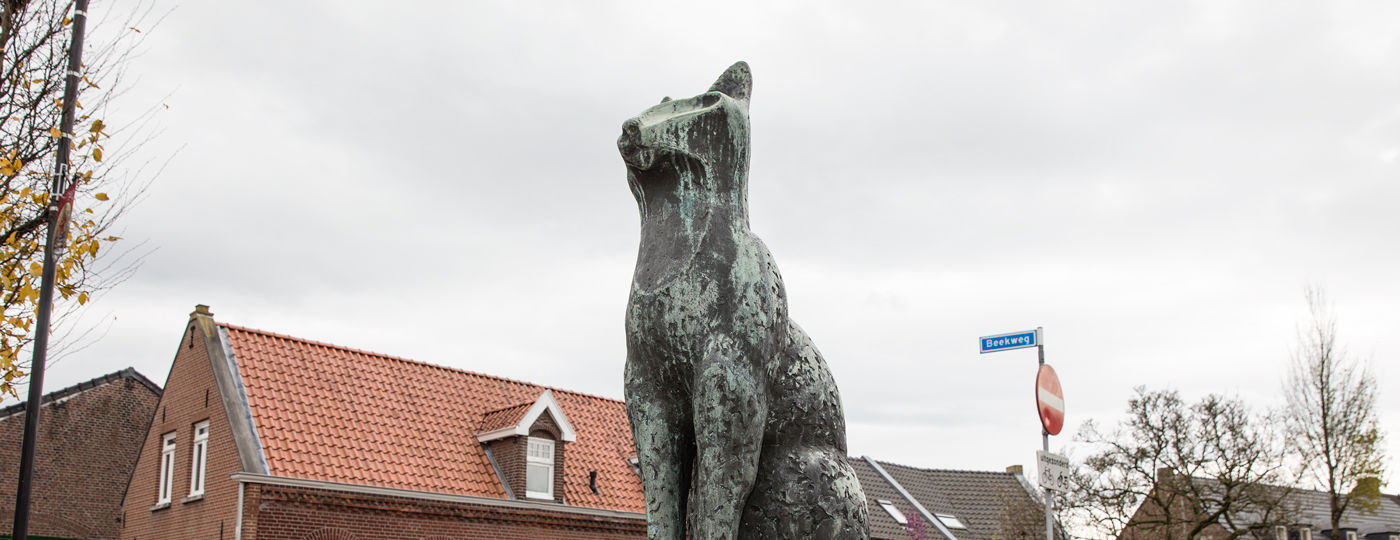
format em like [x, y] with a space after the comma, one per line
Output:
[89, 435]
[298, 513]
[192, 397]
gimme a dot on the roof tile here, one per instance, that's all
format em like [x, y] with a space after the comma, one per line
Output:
[331, 413]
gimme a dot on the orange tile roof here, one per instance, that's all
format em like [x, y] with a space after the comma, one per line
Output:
[506, 417]
[331, 413]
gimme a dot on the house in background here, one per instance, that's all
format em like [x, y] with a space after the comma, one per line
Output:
[1293, 514]
[966, 505]
[265, 436]
[89, 435]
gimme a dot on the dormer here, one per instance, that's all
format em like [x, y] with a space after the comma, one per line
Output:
[525, 443]
[1347, 533]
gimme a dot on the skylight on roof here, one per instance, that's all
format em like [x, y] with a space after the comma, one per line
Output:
[950, 521]
[894, 512]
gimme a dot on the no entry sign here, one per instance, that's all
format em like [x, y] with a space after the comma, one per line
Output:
[1050, 400]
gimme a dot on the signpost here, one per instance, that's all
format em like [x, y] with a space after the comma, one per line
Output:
[1050, 402]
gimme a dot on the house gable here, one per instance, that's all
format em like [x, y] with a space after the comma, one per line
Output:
[507, 423]
[200, 409]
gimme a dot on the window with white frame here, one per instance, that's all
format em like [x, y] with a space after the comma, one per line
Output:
[1280, 532]
[199, 458]
[1351, 535]
[539, 468]
[894, 513]
[167, 468]
[950, 521]
[1305, 534]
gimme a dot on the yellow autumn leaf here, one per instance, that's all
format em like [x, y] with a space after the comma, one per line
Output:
[97, 156]
[55, 133]
[97, 126]
[82, 298]
[35, 269]
[99, 196]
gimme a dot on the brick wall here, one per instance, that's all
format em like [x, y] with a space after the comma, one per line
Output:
[287, 513]
[87, 445]
[190, 397]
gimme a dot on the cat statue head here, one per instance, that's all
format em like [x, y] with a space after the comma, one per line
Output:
[698, 143]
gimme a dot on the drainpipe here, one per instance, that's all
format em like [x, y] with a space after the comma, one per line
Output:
[937, 524]
[238, 520]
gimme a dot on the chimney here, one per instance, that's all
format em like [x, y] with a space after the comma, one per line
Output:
[200, 309]
[1014, 469]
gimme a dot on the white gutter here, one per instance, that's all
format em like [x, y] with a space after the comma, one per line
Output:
[266, 480]
[937, 524]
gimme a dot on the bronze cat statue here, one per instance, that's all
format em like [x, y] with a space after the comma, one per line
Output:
[737, 420]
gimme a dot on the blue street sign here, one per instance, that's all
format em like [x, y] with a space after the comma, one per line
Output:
[1006, 342]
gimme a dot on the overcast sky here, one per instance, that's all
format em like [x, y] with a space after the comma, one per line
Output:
[1154, 184]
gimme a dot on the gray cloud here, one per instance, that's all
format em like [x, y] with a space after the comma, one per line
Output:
[1152, 184]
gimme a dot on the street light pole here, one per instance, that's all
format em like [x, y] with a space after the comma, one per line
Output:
[60, 200]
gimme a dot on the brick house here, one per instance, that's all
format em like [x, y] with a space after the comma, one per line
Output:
[89, 435]
[1291, 514]
[265, 436]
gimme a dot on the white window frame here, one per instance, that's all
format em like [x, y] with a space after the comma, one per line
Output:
[893, 512]
[545, 446]
[950, 521]
[167, 469]
[1280, 532]
[199, 458]
[1304, 534]
[1350, 535]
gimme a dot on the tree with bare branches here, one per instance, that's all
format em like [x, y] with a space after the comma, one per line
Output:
[34, 41]
[1172, 471]
[1331, 414]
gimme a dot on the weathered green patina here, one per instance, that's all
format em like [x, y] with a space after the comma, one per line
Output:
[736, 417]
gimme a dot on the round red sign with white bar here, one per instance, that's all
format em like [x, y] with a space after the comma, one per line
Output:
[1049, 400]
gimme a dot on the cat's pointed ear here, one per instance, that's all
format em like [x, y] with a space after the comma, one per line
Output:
[736, 82]
[665, 99]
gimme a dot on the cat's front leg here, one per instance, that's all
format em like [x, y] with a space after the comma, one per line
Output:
[661, 429]
[730, 410]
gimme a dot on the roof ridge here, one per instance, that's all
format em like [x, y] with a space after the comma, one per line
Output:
[128, 373]
[412, 361]
[994, 473]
